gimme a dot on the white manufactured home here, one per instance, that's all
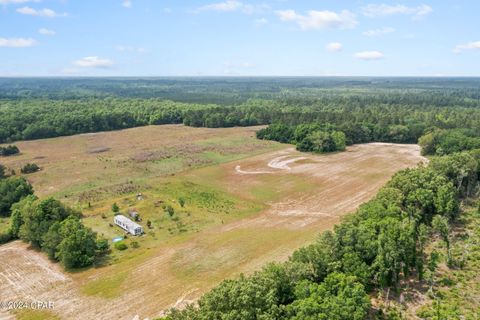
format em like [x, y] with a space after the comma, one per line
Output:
[128, 225]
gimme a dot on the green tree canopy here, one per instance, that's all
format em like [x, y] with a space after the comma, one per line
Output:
[12, 190]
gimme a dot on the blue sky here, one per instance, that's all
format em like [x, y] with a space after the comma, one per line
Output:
[239, 38]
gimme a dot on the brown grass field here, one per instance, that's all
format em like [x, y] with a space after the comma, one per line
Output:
[247, 202]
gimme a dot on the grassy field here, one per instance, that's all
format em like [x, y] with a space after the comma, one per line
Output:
[27, 314]
[246, 202]
[93, 166]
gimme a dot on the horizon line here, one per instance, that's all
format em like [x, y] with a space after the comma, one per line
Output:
[240, 76]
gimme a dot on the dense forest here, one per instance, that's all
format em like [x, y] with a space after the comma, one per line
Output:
[364, 109]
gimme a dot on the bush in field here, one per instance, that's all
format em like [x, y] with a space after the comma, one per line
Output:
[102, 246]
[181, 202]
[9, 150]
[115, 208]
[170, 211]
[120, 246]
[29, 168]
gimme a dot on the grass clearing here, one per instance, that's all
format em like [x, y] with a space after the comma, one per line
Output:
[105, 287]
[29, 314]
[104, 161]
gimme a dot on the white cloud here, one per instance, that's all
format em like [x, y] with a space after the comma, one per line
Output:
[93, 62]
[17, 42]
[468, 46]
[334, 46]
[320, 19]
[6, 2]
[233, 5]
[369, 55]
[46, 32]
[260, 22]
[49, 13]
[127, 3]
[378, 32]
[229, 5]
[130, 49]
[381, 10]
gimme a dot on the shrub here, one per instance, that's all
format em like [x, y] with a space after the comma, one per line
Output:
[9, 150]
[135, 244]
[102, 246]
[170, 210]
[120, 246]
[115, 207]
[30, 168]
[181, 201]
[5, 237]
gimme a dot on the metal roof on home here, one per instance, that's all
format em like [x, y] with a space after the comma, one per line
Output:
[127, 221]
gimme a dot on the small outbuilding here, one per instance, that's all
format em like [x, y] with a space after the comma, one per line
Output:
[134, 214]
[128, 225]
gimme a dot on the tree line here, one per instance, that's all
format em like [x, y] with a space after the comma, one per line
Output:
[389, 113]
[237, 90]
[376, 247]
[328, 137]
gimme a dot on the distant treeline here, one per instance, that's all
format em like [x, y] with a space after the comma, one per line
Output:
[360, 121]
[367, 108]
[237, 90]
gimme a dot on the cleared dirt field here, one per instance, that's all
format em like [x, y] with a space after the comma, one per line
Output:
[239, 215]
